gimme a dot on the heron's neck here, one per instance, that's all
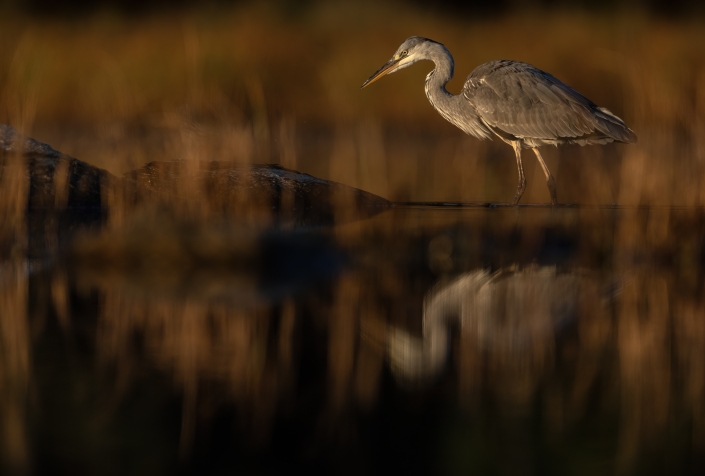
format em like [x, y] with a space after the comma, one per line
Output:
[454, 109]
[437, 79]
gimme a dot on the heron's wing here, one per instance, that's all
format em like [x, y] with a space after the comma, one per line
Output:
[523, 101]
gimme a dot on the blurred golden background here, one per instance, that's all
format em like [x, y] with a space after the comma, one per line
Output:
[273, 82]
[585, 354]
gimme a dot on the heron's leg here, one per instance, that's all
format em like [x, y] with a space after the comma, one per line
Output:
[550, 181]
[522, 180]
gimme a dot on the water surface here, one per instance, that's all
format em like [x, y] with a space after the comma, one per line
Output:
[425, 340]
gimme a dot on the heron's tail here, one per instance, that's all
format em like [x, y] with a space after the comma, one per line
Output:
[613, 126]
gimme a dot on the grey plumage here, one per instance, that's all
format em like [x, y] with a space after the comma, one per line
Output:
[521, 104]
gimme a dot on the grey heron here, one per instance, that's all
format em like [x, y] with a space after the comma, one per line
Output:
[521, 104]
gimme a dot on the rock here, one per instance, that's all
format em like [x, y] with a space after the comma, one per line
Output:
[13, 141]
[61, 184]
[56, 181]
[237, 190]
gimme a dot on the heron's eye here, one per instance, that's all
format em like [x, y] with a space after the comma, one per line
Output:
[403, 53]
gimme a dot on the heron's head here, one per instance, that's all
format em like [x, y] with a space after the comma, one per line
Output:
[412, 50]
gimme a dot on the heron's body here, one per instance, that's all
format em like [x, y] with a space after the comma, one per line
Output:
[521, 104]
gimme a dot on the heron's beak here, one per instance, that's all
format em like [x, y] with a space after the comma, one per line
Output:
[388, 67]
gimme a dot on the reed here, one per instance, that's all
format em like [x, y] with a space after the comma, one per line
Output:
[255, 84]
[120, 91]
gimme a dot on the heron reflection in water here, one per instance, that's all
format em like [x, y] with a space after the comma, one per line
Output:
[513, 313]
[522, 105]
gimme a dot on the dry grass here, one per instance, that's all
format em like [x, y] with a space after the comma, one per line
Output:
[258, 84]
[262, 84]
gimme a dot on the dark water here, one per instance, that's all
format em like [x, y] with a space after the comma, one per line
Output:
[426, 340]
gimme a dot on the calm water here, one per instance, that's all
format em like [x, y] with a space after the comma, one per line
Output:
[426, 340]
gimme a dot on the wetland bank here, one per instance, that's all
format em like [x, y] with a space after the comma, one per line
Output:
[150, 324]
